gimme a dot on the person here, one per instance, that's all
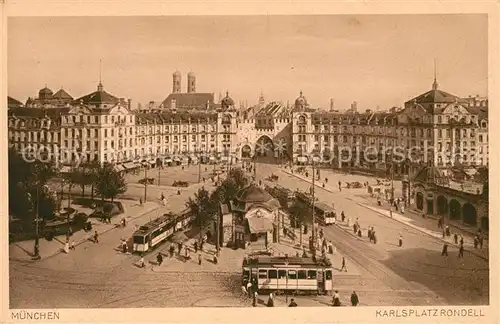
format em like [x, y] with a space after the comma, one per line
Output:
[254, 301]
[445, 250]
[270, 301]
[292, 303]
[342, 215]
[481, 241]
[96, 237]
[215, 259]
[326, 180]
[344, 267]
[476, 241]
[354, 299]
[461, 240]
[141, 262]
[159, 259]
[124, 247]
[140, 201]
[400, 240]
[199, 258]
[370, 233]
[402, 209]
[359, 233]
[249, 288]
[162, 196]
[461, 251]
[124, 222]
[196, 247]
[423, 215]
[186, 254]
[66, 247]
[336, 298]
[72, 245]
[455, 238]
[171, 250]
[179, 248]
[447, 229]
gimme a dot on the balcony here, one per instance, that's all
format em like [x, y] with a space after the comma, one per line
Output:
[80, 123]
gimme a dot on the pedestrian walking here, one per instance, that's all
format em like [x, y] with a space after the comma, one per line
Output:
[292, 303]
[196, 247]
[66, 247]
[179, 248]
[96, 237]
[141, 262]
[354, 299]
[481, 241]
[461, 240]
[402, 209]
[124, 247]
[124, 222]
[461, 251]
[455, 238]
[336, 299]
[445, 250]
[343, 216]
[72, 245]
[476, 241]
[249, 288]
[400, 240]
[344, 267]
[254, 301]
[159, 259]
[440, 223]
[199, 259]
[270, 300]
[447, 229]
[171, 250]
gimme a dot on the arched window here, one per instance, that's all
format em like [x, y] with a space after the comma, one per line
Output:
[302, 120]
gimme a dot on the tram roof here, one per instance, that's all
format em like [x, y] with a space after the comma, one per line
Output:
[152, 225]
[324, 207]
[283, 261]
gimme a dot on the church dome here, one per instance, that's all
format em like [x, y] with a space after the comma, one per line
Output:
[227, 101]
[45, 93]
[301, 101]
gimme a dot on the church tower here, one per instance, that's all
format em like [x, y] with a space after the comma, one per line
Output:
[191, 83]
[176, 82]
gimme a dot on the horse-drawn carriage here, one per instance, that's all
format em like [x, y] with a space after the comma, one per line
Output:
[273, 177]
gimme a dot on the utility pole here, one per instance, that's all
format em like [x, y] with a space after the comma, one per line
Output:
[159, 175]
[217, 247]
[37, 220]
[145, 183]
[313, 213]
[199, 166]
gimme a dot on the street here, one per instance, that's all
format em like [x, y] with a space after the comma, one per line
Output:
[100, 275]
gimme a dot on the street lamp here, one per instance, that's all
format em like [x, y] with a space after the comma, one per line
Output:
[313, 250]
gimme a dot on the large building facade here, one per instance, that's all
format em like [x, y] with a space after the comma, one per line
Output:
[435, 128]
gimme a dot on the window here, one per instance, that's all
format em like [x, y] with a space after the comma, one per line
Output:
[440, 120]
[302, 274]
[262, 274]
[281, 274]
[311, 274]
[292, 274]
[328, 274]
[273, 274]
[480, 138]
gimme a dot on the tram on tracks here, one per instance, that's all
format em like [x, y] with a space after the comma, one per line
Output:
[153, 233]
[325, 214]
[299, 275]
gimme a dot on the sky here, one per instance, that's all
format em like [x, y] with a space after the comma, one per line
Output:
[377, 60]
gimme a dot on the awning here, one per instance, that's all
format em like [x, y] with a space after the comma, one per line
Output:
[65, 169]
[259, 224]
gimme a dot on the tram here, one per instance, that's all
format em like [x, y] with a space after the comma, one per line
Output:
[157, 231]
[288, 274]
[325, 215]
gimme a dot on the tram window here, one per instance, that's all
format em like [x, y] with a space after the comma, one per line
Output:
[246, 274]
[262, 274]
[281, 274]
[273, 274]
[302, 274]
[328, 274]
[292, 274]
[139, 239]
[311, 274]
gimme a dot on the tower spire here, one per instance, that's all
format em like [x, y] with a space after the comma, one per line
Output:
[435, 84]
[100, 87]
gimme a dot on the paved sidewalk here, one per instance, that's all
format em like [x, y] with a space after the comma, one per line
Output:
[468, 241]
[22, 251]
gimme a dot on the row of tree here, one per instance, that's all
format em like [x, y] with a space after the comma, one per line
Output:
[205, 206]
[29, 192]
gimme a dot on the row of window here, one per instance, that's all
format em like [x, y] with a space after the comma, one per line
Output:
[291, 274]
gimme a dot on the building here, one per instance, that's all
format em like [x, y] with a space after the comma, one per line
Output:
[14, 103]
[435, 128]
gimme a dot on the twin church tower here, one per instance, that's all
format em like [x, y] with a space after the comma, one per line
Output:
[177, 81]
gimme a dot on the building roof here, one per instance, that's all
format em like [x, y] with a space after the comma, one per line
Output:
[253, 194]
[429, 174]
[98, 97]
[189, 100]
[45, 91]
[436, 96]
[37, 112]
[176, 117]
[62, 94]
[13, 103]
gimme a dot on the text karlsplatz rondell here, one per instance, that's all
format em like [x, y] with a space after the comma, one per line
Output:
[430, 312]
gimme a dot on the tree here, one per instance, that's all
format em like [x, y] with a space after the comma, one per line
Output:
[203, 208]
[298, 215]
[109, 182]
[239, 177]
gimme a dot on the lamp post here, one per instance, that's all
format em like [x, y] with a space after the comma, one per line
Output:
[200, 152]
[36, 249]
[145, 182]
[313, 250]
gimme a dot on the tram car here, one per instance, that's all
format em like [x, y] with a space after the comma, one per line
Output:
[288, 274]
[325, 215]
[158, 230]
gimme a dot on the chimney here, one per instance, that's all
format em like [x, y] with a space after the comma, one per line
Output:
[129, 104]
[332, 105]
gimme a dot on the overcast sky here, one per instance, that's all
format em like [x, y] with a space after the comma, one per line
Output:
[375, 60]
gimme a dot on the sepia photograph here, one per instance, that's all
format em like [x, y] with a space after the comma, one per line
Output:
[248, 161]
